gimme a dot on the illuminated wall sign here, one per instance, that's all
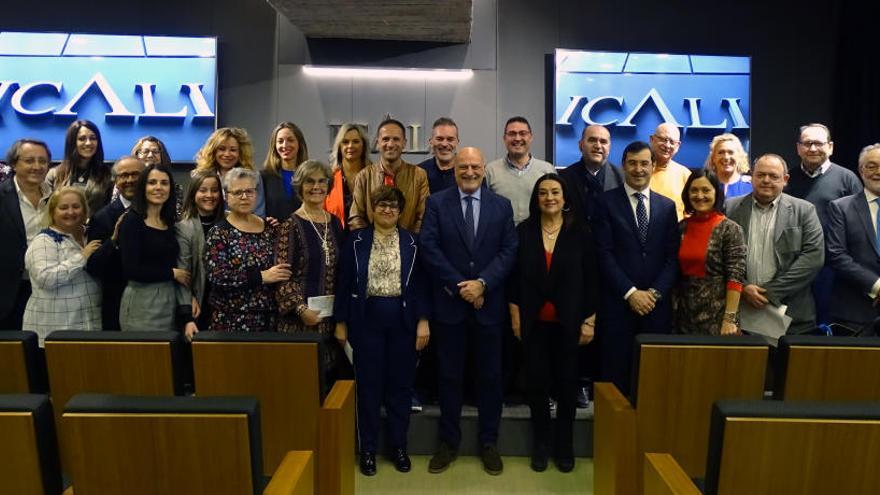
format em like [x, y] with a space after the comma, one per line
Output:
[130, 86]
[631, 93]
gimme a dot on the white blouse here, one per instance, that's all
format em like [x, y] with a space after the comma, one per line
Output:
[64, 296]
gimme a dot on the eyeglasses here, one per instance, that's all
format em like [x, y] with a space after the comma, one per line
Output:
[311, 182]
[243, 193]
[149, 153]
[759, 176]
[871, 167]
[516, 134]
[666, 140]
[384, 205]
[810, 144]
[128, 175]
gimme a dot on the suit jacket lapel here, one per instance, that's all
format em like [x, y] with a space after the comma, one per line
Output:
[10, 204]
[654, 216]
[408, 249]
[362, 247]
[625, 207]
[783, 218]
[485, 205]
[454, 206]
[742, 214]
[860, 204]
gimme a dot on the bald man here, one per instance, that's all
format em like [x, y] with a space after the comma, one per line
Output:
[105, 264]
[669, 176]
[469, 247]
[593, 174]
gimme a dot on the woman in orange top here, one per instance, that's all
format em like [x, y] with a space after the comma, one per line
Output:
[351, 153]
[711, 260]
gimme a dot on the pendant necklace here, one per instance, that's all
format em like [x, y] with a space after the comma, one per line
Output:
[551, 233]
[324, 246]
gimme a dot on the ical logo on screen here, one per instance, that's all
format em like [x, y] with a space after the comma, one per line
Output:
[732, 106]
[98, 83]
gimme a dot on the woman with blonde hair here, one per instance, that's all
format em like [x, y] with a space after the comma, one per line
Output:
[351, 153]
[228, 148]
[287, 149]
[65, 296]
[729, 162]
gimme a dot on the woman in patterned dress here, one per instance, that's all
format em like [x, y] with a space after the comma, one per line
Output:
[240, 261]
[309, 242]
[64, 296]
[711, 259]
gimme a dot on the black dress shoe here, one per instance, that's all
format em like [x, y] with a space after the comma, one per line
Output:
[401, 460]
[368, 464]
[539, 462]
[565, 464]
[442, 458]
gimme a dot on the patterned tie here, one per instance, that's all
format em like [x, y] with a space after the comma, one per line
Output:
[877, 232]
[642, 217]
[469, 220]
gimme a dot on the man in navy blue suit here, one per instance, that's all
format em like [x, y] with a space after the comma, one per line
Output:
[469, 247]
[853, 246]
[106, 264]
[637, 238]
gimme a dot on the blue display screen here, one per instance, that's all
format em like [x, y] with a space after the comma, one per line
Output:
[130, 86]
[632, 93]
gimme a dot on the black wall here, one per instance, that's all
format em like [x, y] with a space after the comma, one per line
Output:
[796, 65]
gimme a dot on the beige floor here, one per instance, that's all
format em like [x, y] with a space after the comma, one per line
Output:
[466, 476]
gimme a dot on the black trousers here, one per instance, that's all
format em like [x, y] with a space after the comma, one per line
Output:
[551, 365]
[453, 342]
[384, 370]
[13, 320]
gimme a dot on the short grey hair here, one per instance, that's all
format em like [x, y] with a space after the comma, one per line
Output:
[309, 167]
[239, 173]
[863, 156]
[114, 169]
[816, 125]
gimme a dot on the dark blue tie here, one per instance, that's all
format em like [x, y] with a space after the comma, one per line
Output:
[642, 217]
[877, 200]
[469, 220]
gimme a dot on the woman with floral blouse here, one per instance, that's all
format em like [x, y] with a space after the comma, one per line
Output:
[240, 261]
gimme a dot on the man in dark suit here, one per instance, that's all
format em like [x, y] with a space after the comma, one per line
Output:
[469, 247]
[22, 203]
[587, 179]
[786, 246]
[105, 264]
[637, 238]
[593, 174]
[854, 249]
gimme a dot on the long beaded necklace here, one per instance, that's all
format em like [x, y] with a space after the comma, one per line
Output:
[324, 246]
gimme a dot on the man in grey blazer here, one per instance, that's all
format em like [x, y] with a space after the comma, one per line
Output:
[853, 250]
[786, 245]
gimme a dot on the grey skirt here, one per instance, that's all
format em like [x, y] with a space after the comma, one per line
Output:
[148, 307]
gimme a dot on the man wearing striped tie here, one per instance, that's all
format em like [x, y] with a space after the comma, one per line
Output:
[637, 238]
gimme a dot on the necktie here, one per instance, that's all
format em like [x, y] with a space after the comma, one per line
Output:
[877, 228]
[469, 220]
[642, 217]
